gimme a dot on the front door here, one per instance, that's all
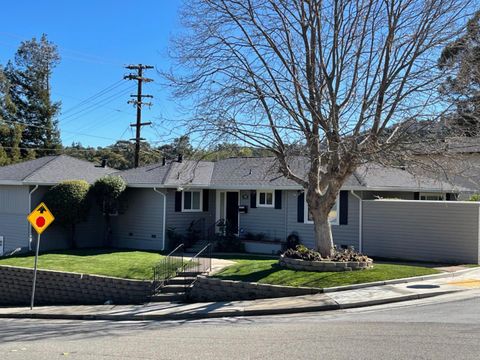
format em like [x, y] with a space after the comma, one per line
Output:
[232, 211]
[227, 208]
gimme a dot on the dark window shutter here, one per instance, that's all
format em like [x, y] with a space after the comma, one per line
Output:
[416, 196]
[450, 197]
[301, 207]
[205, 199]
[278, 199]
[178, 201]
[253, 199]
[343, 207]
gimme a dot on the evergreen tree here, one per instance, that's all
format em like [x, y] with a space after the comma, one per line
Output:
[462, 58]
[29, 76]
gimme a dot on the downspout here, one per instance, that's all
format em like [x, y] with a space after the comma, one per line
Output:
[164, 215]
[360, 221]
[30, 209]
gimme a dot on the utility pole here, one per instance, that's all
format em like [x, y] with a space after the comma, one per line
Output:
[138, 103]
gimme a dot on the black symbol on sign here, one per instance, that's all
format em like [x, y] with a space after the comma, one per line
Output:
[42, 210]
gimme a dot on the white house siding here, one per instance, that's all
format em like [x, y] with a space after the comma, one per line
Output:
[269, 221]
[140, 226]
[13, 216]
[422, 230]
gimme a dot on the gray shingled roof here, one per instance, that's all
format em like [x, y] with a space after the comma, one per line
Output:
[153, 175]
[239, 173]
[51, 170]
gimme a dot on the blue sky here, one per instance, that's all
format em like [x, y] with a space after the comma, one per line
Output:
[95, 40]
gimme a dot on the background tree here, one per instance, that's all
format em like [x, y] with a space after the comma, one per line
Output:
[462, 58]
[338, 78]
[29, 78]
[69, 203]
[107, 190]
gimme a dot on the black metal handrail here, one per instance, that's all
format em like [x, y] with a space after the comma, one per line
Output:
[199, 264]
[168, 267]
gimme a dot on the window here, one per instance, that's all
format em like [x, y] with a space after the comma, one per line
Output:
[432, 196]
[192, 201]
[332, 216]
[265, 198]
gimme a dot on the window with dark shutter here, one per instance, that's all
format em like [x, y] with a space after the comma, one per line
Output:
[301, 207]
[278, 199]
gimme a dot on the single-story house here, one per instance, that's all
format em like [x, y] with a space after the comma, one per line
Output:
[261, 205]
[22, 187]
[251, 194]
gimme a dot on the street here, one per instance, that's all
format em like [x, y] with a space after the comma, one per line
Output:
[439, 328]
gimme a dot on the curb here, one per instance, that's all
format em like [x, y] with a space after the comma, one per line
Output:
[398, 281]
[231, 313]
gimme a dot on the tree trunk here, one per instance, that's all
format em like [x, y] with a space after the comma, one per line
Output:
[323, 234]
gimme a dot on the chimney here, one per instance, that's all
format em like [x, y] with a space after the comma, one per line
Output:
[104, 163]
[180, 158]
[164, 161]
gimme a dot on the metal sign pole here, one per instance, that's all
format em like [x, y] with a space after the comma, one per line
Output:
[35, 272]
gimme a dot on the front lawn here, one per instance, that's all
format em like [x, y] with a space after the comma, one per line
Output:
[108, 262]
[267, 271]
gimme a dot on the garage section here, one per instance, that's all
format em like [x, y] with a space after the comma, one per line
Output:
[139, 223]
[439, 231]
[14, 202]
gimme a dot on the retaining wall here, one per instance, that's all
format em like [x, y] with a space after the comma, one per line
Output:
[213, 289]
[62, 288]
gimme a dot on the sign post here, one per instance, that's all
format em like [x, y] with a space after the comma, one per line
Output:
[40, 219]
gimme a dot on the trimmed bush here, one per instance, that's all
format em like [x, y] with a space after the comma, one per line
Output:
[69, 203]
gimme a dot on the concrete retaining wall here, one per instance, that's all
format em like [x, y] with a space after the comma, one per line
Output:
[61, 288]
[212, 289]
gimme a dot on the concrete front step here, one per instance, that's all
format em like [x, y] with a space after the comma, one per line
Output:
[168, 297]
[193, 274]
[181, 280]
[167, 289]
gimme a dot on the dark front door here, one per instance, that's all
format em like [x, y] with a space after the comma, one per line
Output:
[232, 211]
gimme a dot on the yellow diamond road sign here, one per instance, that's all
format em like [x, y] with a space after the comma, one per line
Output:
[40, 218]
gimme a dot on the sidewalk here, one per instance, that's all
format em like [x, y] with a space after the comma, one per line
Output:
[330, 300]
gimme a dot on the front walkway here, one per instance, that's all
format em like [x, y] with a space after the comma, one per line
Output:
[366, 296]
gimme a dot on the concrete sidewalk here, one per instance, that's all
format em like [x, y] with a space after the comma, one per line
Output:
[330, 300]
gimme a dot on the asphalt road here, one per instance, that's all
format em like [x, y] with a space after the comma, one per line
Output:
[442, 328]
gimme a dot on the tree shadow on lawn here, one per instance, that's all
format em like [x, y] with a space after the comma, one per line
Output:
[261, 274]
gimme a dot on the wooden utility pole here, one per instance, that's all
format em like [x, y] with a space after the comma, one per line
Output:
[138, 103]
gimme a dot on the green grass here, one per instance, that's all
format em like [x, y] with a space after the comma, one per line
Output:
[268, 271]
[108, 262]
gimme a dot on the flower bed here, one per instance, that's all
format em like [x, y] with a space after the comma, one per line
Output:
[309, 260]
[324, 265]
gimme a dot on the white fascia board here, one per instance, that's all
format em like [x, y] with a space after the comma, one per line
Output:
[445, 202]
[12, 182]
[287, 187]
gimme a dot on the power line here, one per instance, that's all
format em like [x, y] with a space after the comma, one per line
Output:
[46, 127]
[94, 96]
[95, 106]
[138, 77]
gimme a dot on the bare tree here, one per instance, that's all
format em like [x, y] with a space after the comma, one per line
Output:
[347, 81]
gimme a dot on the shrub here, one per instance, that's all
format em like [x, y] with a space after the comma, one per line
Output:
[69, 203]
[293, 241]
[475, 197]
[107, 190]
[343, 255]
